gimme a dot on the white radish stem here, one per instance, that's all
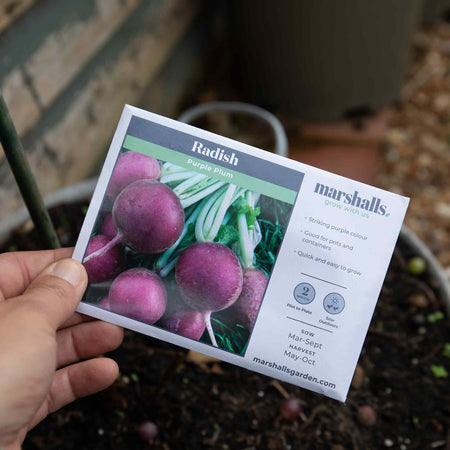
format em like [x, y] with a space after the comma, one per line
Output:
[220, 214]
[199, 224]
[201, 194]
[101, 251]
[176, 176]
[207, 316]
[189, 183]
[245, 243]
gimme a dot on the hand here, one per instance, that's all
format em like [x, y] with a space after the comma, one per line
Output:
[40, 332]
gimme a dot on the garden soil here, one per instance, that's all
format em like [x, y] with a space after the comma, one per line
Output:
[201, 403]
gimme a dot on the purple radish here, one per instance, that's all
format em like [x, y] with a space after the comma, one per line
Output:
[148, 218]
[131, 167]
[139, 294]
[104, 303]
[291, 408]
[185, 322]
[209, 278]
[108, 228]
[367, 416]
[105, 266]
[179, 318]
[245, 309]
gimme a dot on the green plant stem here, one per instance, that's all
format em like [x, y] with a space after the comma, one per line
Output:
[25, 180]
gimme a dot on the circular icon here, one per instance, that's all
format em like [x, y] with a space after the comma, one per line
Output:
[334, 303]
[304, 293]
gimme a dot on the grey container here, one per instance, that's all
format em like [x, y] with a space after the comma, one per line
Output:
[323, 59]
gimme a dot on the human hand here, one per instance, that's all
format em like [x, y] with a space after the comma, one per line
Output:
[39, 333]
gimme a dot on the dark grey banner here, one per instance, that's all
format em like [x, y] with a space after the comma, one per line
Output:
[212, 152]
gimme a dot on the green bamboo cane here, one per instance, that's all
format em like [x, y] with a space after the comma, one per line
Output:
[27, 184]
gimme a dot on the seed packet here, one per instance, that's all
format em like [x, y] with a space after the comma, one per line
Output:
[236, 252]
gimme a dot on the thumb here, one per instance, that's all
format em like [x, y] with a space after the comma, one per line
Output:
[56, 291]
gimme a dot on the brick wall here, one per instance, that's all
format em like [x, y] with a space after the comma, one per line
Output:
[68, 67]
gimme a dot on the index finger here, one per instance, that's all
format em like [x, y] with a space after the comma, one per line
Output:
[18, 269]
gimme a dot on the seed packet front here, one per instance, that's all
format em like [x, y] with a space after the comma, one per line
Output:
[235, 252]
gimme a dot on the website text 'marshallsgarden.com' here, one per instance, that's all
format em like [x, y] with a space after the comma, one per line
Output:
[293, 372]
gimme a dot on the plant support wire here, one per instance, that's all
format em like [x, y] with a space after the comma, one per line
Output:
[25, 180]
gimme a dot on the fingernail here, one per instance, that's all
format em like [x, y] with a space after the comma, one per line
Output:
[69, 270]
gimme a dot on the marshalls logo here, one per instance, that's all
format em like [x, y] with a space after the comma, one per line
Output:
[218, 153]
[353, 199]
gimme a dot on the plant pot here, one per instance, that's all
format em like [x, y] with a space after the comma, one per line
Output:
[323, 60]
[162, 376]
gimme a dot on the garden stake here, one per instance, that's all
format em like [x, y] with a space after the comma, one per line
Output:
[25, 180]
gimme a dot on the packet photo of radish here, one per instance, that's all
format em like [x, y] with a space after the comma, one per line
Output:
[235, 252]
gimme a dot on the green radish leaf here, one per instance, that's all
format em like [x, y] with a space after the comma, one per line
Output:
[242, 207]
[435, 316]
[446, 351]
[189, 237]
[439, 371]
[227, 235]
